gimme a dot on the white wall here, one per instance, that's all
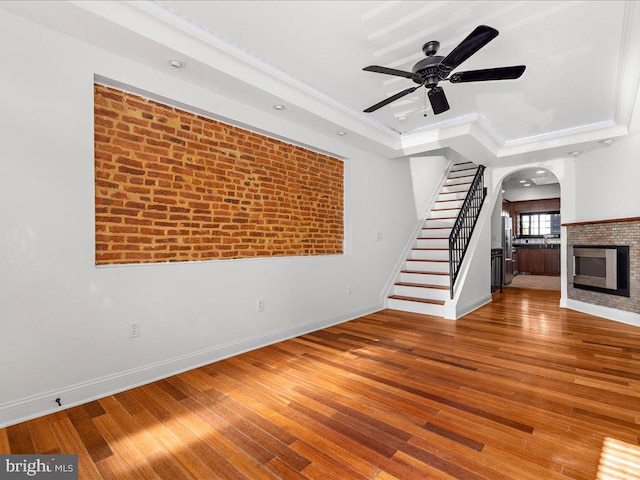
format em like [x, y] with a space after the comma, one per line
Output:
[426, 177]
[64, 322]
[533, 193]
[496, 223]
[607, 181]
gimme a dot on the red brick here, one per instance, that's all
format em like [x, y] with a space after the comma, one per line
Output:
[213, 183]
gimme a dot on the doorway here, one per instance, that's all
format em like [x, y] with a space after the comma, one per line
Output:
[530, 229]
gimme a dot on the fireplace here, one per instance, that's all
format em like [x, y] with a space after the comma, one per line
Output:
[601, 268]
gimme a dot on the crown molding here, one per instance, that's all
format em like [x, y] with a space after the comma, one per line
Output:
[155, 22]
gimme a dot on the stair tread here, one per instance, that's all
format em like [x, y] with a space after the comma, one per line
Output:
[422, 285]
[413, 299]
[462, 163]
[429, 248]
[422, 260]
[424, 273]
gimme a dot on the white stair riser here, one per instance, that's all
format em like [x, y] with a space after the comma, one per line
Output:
[448, 204]
[458, 180]
[420, 292]
[416, 307]
[425, 278]
[435, 223]
[432, 243]
[429, 254]
[454, 189]
[440, 267]
[436, 232]
[463, 173]
[444, 213]
[451, 196]
[461, 166]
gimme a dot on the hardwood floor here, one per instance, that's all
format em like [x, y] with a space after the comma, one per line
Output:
[519, 389]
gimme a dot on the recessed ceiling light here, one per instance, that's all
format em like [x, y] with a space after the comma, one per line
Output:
[279, 107]
[176, 63]
[541, 171]
[402, 118]
[527, 185]
[341, 133]
[608, 141]
[523, 181]
[575, 153]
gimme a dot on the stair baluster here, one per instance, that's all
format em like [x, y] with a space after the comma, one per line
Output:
[462, 230]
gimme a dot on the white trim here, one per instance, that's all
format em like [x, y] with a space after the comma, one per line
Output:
[461, 311]
[614, 314]
[41, 404]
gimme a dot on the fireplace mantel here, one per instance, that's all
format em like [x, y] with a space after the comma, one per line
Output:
[597, 222]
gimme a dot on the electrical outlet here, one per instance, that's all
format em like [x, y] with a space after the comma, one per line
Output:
[349, 289]
[134, 329]
[378, 236]
[260, 305]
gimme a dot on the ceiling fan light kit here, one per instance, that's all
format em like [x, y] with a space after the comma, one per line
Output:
[430, 71]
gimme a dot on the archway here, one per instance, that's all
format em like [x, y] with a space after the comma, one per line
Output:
[526, 224]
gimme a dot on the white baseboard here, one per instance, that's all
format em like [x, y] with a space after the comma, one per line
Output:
[621, 316]
[460, 311]
[44, 403]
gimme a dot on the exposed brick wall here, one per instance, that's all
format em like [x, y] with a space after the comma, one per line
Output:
[616, 233]
[174, 186]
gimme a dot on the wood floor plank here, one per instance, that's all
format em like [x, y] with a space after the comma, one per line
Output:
[43, 437]
[4, 442]
[71, 443]
[517, 390]
[20, 441]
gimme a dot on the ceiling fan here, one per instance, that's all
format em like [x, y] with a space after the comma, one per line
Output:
[429, 71]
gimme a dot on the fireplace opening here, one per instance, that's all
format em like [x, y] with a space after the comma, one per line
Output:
[601, 268]
[591, 267]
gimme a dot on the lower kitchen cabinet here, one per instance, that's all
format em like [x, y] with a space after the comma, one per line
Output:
[551, 261]
[539, 261]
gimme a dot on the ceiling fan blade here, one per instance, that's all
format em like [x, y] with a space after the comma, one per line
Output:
[388, 71]
[501, 73]
[438, 100]
[477, 39]
[393, 98]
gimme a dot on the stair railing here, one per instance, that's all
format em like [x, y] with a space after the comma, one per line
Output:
[465, 223]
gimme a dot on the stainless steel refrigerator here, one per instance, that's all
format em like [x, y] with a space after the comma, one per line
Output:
[507, 240]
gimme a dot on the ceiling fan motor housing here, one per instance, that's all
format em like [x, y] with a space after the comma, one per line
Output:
[426, 71]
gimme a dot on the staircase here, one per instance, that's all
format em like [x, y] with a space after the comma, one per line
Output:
[424, 282]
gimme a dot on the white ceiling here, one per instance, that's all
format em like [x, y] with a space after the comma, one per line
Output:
[579, 87]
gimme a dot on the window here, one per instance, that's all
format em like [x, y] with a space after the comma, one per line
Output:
[539, 224]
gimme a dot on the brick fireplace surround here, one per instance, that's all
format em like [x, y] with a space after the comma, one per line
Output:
[624, 231]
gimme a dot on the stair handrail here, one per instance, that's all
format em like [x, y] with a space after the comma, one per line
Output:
[464, 225]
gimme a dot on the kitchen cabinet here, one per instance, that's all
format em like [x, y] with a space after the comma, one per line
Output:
[538, 260]
[524, 260]
[551, 261]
